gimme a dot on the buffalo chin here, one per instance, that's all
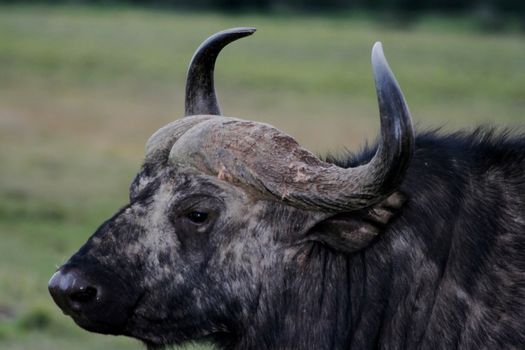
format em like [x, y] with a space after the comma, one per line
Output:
[98, 327]
[154, 338]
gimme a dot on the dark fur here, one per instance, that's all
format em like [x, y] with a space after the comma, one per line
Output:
[458, 283]
[448, 272]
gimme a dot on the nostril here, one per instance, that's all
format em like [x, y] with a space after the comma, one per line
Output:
[72, 291]
[83, 294]
[92, 297]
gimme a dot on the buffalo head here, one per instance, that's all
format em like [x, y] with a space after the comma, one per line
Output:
[222, 211]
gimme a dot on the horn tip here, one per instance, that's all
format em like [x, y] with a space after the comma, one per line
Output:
[244, 31]
[377, 46]
[380, 64]
[378, 56]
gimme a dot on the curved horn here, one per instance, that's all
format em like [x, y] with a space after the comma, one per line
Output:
[370, 183]
[200, 90]
[274, 162]
[397, 135]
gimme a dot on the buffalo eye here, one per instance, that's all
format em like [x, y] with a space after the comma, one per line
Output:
[197, 216]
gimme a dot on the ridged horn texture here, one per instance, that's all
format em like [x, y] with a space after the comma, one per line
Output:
[265, 158]
[200, 89]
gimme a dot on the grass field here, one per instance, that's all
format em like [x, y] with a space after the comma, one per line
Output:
[81, 90]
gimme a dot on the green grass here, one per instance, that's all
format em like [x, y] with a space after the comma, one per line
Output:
[81, 90]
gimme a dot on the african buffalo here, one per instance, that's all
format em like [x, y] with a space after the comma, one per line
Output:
[237, 235]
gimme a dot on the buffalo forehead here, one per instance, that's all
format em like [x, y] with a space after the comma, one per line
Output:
[240, 137]
[247, 153]
[238, 150]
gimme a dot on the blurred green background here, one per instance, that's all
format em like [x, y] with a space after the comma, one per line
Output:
[83, 87]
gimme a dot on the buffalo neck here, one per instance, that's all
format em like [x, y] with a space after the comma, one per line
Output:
[328, 302]
[422, 283]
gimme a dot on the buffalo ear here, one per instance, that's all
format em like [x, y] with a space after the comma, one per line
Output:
[352, 231]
